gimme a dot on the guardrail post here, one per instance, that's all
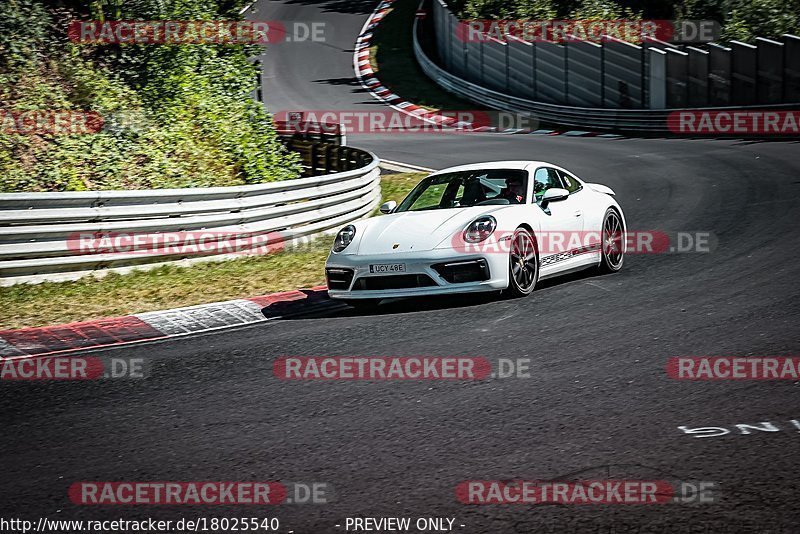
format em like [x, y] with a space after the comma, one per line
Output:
[791, 66]
[719, 75]
[744, 88]
[313, 158]
[327, 156]
[658, 78]
[770, 71]
[337, 158]
[677, 78]
[345, 155]
[698, 77]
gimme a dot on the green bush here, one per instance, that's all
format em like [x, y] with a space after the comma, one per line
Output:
[741, 19]
[540, 9]
[747, 19]
[175, 116]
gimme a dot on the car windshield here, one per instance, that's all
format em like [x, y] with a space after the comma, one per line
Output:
[467, 188]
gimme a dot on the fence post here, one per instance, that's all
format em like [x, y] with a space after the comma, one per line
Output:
[745, 59]
[658, 78]
[327, 156]
[791, 68]
[770, 71]
[313, 158]
[698, 77]
[719, 75]
[677, 78]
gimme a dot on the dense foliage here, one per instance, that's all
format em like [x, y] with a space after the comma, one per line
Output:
[175, 115]
[741, 19]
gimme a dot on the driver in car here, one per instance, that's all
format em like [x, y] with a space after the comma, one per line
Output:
[514, 191]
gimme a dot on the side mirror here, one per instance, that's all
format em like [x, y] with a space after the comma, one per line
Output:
[387, 207]
[554, 194]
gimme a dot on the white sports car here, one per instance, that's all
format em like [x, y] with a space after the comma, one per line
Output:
[501, 225]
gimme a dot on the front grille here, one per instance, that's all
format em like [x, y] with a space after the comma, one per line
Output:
[339, 278]
[395, 281]
[463, 271]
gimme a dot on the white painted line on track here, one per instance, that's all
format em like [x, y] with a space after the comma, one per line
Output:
[403, 167]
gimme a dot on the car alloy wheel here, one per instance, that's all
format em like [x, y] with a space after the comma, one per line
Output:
[523, 268]
[612, 242]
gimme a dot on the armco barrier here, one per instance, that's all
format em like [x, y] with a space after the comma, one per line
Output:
[35, 227]
[550, 69]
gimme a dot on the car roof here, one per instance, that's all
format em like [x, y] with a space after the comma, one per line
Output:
[509, 164]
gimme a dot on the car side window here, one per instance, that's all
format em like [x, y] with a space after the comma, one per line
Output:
[571, 183]
[543, 179]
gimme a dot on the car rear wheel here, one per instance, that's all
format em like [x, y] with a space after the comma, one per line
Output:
[523, 264]
[613, 249]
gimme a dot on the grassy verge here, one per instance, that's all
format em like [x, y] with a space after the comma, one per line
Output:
[49, 303]
[392, 58]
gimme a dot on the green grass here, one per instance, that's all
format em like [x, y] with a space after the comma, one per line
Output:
[392, 58]
[397, 186]
[28, 305]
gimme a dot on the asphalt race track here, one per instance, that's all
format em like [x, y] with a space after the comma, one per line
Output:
[598, 400]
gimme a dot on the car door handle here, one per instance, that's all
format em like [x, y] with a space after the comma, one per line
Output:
[578, 213]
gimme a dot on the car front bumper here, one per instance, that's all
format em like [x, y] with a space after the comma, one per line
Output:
[430, 272]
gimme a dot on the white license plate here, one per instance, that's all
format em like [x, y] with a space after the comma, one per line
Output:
[387, 268]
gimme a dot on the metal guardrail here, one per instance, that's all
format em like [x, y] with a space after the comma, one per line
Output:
[37, 230]
[624, 120]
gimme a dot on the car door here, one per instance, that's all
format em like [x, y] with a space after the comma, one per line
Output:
[562, 223]
[586, 202]
[579, 195]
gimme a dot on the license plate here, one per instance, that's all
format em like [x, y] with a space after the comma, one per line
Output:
[387, 268]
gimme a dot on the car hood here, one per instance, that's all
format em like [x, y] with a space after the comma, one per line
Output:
[418, 230]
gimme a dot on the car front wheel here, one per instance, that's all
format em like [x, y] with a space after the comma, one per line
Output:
[523, 264]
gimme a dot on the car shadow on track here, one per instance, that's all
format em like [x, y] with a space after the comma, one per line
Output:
[317, 304]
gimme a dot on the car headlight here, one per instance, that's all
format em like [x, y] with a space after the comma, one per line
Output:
[344, 238]
[480, 229]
